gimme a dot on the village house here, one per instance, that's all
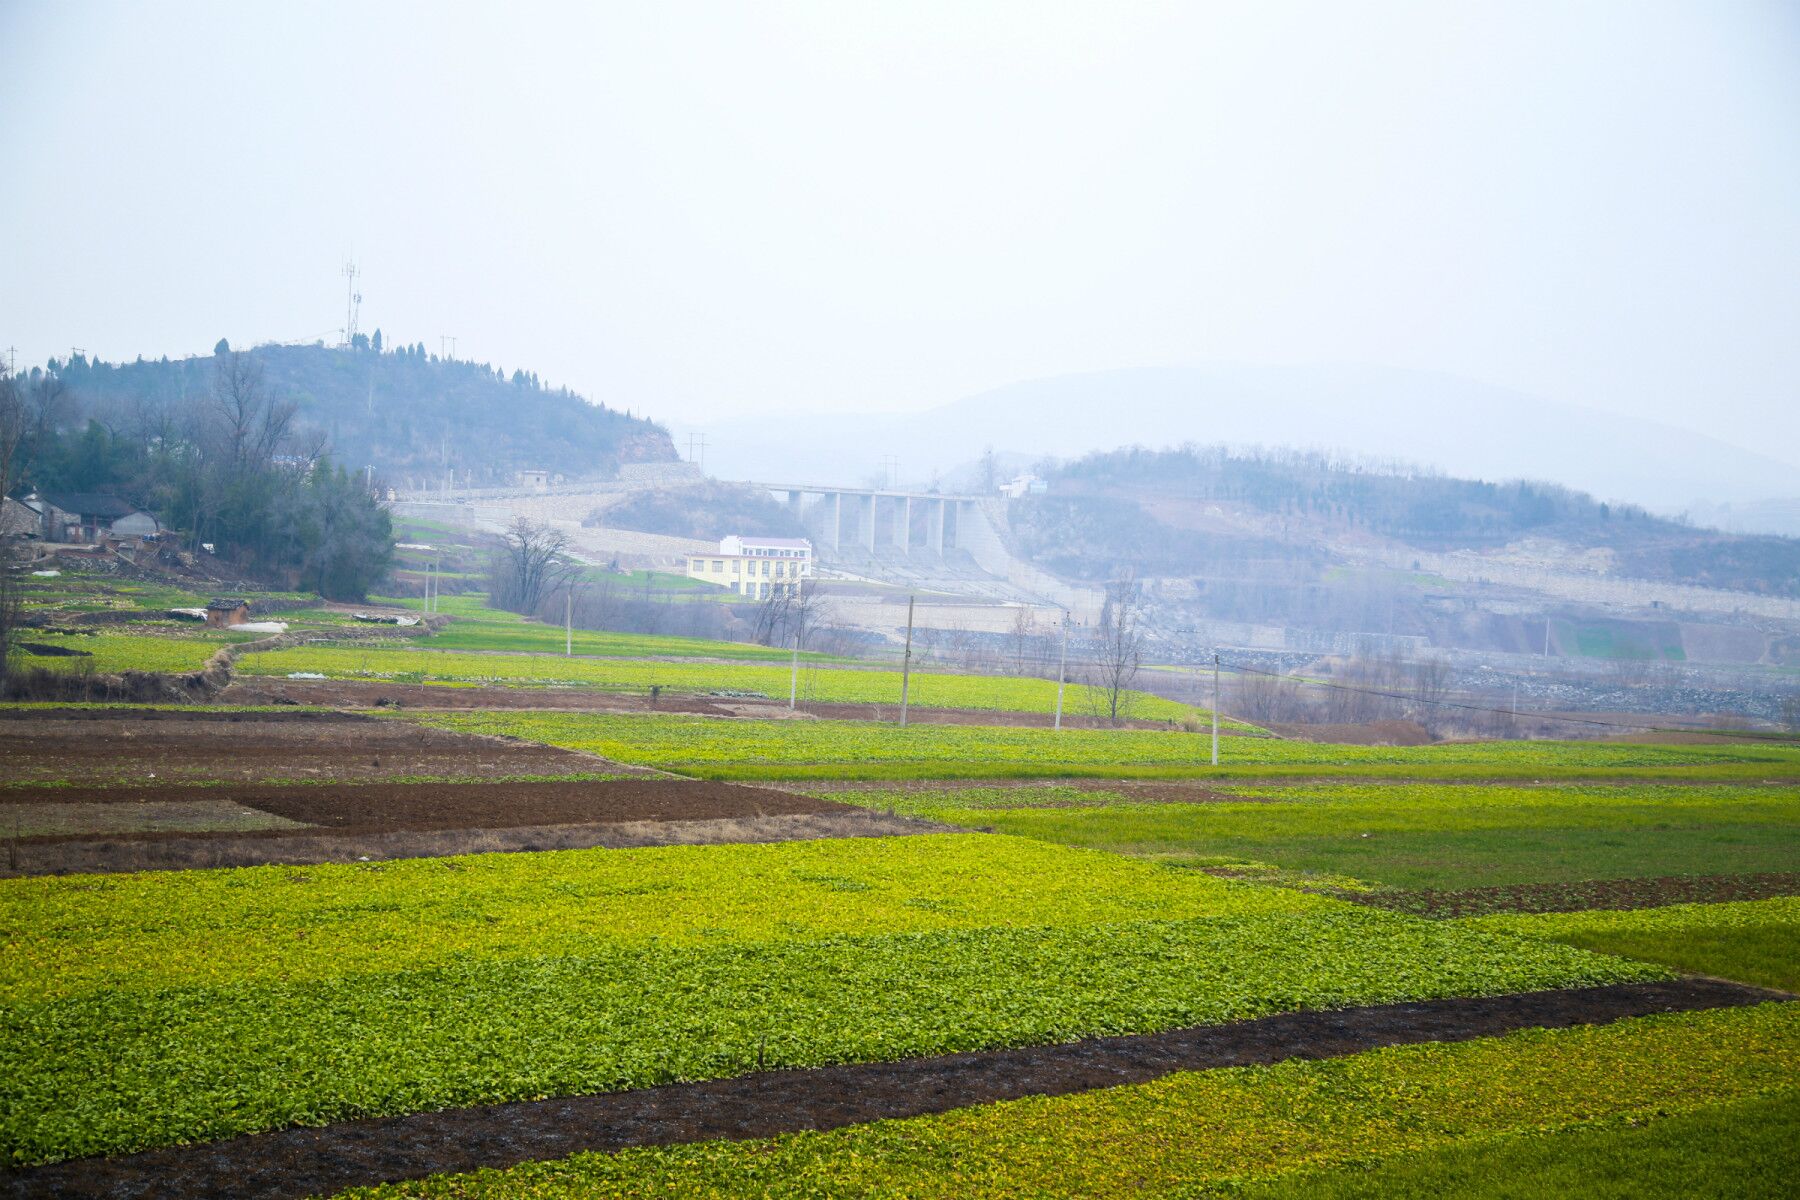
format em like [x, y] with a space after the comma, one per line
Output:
[89, 517]
[223, 611]
[755, 566]
[16, 520]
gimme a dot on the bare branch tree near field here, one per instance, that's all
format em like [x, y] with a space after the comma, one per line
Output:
[1118, 653]
[789, 613]
[1019, 638]
[13, 424]
[531, 566]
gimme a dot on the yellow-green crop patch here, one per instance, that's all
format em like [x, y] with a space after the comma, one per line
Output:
[73, 933]
[1214, 1132]
[110, 653]
[1752, 941]
[144, 1010]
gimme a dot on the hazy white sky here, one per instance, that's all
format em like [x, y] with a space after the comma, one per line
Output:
[708, 210]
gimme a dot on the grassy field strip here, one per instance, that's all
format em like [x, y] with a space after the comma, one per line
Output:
[1753, 941]
[1403, 836]
[1211, 1132]
[855, 750]
[533, 638]
[1734, 1150]
[826, 685]
[147, 1010]
[71, 934]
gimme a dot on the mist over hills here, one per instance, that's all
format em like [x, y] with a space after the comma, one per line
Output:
[413, 416]
[1434, 420]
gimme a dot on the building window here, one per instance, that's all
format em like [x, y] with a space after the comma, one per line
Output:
[718, 565]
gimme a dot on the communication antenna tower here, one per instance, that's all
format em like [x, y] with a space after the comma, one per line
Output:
[352, 302]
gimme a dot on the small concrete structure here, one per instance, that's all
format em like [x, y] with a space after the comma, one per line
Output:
[225, 611]
[537, 481]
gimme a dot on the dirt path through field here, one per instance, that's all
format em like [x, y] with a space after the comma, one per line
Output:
[152, 746]
[304, 848]
[303, 1162]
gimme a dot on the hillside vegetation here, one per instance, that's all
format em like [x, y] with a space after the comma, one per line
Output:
[1196, 510]
[411, 415]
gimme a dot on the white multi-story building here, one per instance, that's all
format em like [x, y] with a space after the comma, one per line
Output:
[755, 566]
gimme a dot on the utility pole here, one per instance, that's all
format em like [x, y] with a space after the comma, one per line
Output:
[446, 347]
[569, 622]
[906, 661]
[794, 675]
[1062, 668]
[890, 468]
[1215, 708]
[699, 458]
[1546, 637]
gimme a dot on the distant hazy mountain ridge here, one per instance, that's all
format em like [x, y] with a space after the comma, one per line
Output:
[1443, 422]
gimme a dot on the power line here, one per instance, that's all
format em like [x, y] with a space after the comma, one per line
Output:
[1411, 699]
[1346, 687]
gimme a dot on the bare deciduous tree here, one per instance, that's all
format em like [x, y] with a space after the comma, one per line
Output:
[531, 565]
[1019, 638]
[789, 613]
[1266, 698]
[13, 423]
[1117, 653]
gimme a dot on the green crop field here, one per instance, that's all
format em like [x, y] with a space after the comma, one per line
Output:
[1755, 941]
[151, 1009]
[1403, 835]
[824, 684]
[854, 750]
[530, 637]
[1734, 1150]
[1296, 1128]
[184, 649]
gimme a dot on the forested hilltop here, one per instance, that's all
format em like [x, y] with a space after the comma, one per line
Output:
[411, 416]
[1198, 509]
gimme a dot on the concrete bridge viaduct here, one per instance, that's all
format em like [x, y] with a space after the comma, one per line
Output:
[875, 519]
